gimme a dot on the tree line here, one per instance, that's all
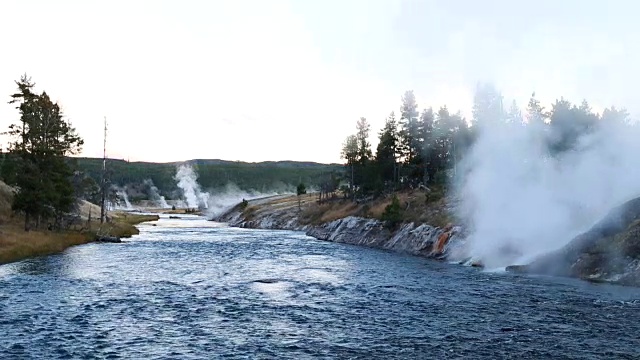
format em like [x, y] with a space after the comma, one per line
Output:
[424, 148]
[213, 175]
[49, 182]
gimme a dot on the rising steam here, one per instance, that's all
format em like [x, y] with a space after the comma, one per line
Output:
[122, 199]
[193, 195]
[216, 202]
[521, 202]
[224, 199]
[154, 195]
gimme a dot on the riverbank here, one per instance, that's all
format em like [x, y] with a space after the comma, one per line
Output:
[17, 244]
[425, 228]
[609, 252]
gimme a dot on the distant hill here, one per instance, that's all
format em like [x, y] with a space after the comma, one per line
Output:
[212, 173]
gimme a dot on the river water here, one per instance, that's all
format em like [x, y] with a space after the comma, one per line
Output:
[188, 289]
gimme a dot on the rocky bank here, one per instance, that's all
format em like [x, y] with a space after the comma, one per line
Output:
[608, 252]
[416, 239]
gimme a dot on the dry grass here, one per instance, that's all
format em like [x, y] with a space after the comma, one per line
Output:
[122, 225]
[17, 244]
[179, 211]
[133, 219]
[281, 203]
[416, 205]
[288, 200]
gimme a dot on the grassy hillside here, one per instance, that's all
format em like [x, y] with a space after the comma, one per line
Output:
[212, 174]
[414, 206]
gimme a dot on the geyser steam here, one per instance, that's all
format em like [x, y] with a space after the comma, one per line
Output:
[226, 198]
[187, 180]
[154, 195]
[521, 202]
[122, 196]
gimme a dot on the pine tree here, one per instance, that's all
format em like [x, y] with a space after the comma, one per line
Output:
[42, 139]
[444, 130]
[427, 119]
[514, 115]
[409, 133]
[487, 105]
[362, 135]
[615, 116]
[535, 112]
[387, 150]
[350, 154]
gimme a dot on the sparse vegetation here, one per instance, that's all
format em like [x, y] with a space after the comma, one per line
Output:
[419, 210]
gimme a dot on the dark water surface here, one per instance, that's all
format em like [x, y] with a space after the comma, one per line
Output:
[183, 291]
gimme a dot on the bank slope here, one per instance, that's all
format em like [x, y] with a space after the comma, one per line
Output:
[343, 221]
[608, 252]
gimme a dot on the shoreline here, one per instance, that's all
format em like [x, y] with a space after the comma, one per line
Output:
[445, 243]
[17, 244]
[413, 238]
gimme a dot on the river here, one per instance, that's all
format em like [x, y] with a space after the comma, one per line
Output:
[188, 288]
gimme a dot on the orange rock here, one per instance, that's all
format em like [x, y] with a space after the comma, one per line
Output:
[442, 241]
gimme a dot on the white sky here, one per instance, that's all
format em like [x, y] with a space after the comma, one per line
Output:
[287, 80]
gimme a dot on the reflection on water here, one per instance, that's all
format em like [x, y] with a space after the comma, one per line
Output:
[188, 288]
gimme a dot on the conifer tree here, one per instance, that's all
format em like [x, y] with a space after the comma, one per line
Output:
[39, 170]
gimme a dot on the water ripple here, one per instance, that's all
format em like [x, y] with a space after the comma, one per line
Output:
[189, 292]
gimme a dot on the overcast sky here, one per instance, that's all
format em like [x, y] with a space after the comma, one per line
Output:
[287, 80]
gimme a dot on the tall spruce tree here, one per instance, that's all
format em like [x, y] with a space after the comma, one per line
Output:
[409, 132]
[536, 114]
[39, 170]
[387, 150]
[427, 119]
[364, 147]
[350, 154]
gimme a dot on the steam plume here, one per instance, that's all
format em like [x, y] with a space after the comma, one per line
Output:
[187, 180]
[224, 199]
[121, 194]
[154, 195]
[521, 202]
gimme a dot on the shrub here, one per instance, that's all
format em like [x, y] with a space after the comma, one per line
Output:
[392, 215]
[244, 204]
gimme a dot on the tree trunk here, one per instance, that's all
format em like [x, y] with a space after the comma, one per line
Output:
[425, 176]
[26, 221]
[353, 195]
